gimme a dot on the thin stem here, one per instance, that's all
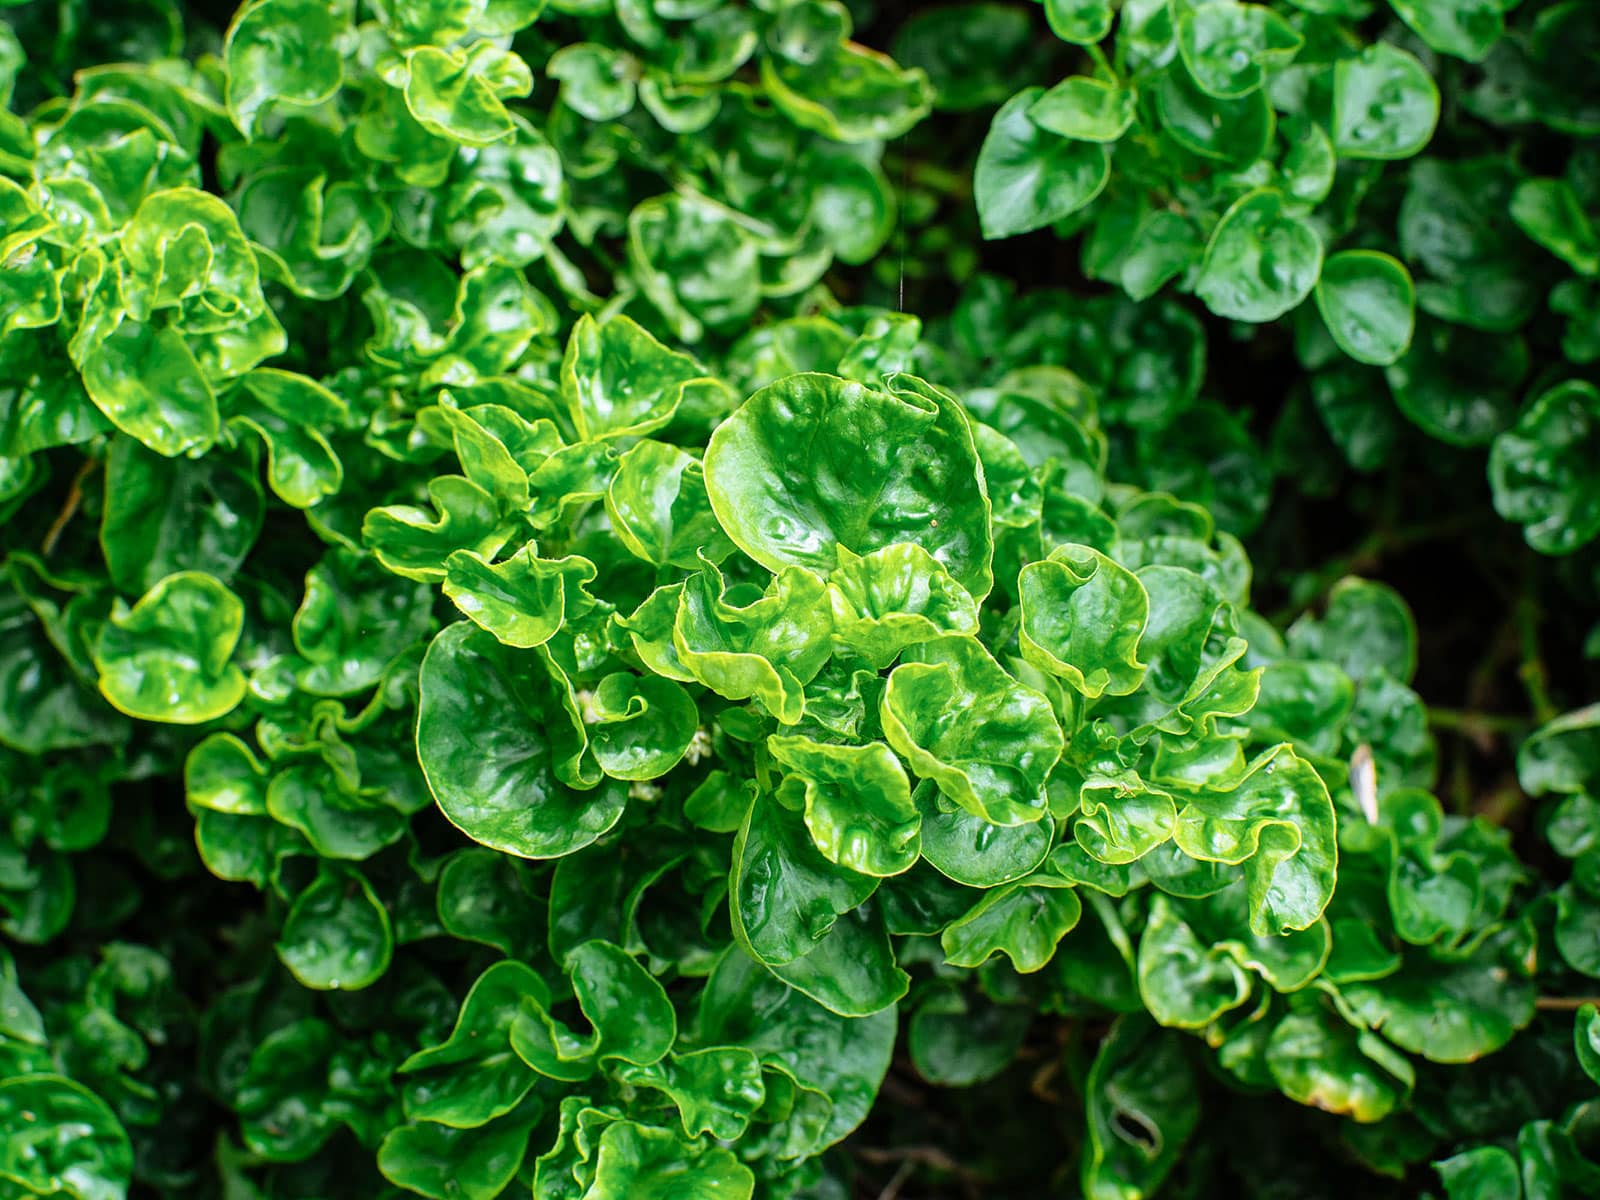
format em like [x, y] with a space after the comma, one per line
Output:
[69, 508]
[1535, 678]
[927, 1156]
[1461, 721]
[955, 184]
[1564, 1003]
[891, 1190]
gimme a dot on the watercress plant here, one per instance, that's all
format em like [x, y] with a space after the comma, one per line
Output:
[517, 675]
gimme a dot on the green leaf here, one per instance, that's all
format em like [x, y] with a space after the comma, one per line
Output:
[1260, 262]
[895, 597]
[814, 464]
[1467, 29]
[503, 746]
[618, 380]
[1369, 304]
[784, 896]
[851, 971]
[696, 263]
[1029, 176]
[1024, 921]
[987, 740]
[522, 600]
[1448, 1010]
[857, 803]
[1185, 983]
[767, 647]
[637, 1162]
[1385, 104]
[1456, 232]
[486, 897]
[1541, 470]
[1228, 46]
[165, 515]
[630, 1018]
[596, 81]
[334, 230]
[1144, 1102]
[457, 94]
[1236, 132]
[183, 253]
[972, 850]
[338, 820]
[442, 1163]
[717, 1090]
[337, 933]
[1481, 1173]
[352, 621]
[1586, 1040]
[62, 1140]
[148, 384]
[843, 1059]
[473, 1076]
[641, 726]
[167, 657]
[1086, 109]
[417, 544]
[1549, 212]
[1079, 21]
[841, 89]
[1279, 824]
[288, 412]
[281, 52]
[1563, 756]
[1082, 617]
[954, 1042]
[1366, 628]
[1121, 819]
[659, 509]
[1317, 1059]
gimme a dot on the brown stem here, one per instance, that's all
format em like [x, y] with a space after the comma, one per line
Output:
[914, 1156]
[902, 1173]
[69, 507]
[1564, 1003]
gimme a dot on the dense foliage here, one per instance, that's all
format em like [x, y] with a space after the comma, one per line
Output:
[524, 666]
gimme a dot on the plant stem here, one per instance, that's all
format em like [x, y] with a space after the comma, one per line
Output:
[1564, 1003]
[69, 508]
[1462, 721]
[1535, 678]
[955, 184]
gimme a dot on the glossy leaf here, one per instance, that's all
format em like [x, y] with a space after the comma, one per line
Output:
[896, 597]
[337, 933]
[857, 803]
[167, 657]
[768, 647]
[1082, 616]
[1385, 105]
[516, 773]
[472, 1077]
[987, 740]
[1023, 920]
[1369, 305]
[1029, 175]
[1260, 262]
[803, 469]
[63, 1140]
[1539, 469]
